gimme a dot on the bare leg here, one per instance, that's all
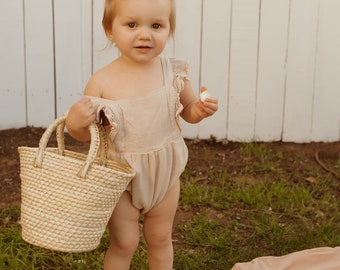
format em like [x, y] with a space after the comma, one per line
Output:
[124, 235]
[158, 224]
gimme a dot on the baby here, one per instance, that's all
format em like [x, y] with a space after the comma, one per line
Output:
[139, 98]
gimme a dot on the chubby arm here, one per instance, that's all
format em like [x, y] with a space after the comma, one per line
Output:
[194, 110]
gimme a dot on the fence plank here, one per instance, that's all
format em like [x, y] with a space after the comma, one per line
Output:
[69, 52]
[326, 120]
[187, 46]
[301, 71]
[271, 70]
[215, 63]
[87, 46]
[243, 69]
[12, 66]
[39, 62]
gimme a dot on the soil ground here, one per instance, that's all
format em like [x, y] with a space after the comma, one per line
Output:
[225, 156]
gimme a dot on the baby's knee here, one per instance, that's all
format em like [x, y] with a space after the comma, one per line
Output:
[125, 245]
[158, 240]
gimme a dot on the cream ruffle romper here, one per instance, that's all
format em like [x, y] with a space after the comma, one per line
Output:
[145, 133]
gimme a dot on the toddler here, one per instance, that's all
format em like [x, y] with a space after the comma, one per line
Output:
[139, 98]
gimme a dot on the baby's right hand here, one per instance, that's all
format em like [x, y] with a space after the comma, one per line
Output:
[81, 115]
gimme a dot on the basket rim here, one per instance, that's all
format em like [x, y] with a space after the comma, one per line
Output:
[126, 170]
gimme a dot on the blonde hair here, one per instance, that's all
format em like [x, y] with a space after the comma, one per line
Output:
[109, 15]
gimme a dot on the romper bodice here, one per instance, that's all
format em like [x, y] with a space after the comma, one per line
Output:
[145, 133]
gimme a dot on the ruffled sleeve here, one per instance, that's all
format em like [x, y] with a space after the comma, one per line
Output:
[180, 72]
[111, 112]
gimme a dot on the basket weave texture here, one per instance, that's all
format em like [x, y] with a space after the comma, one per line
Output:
[68, 197]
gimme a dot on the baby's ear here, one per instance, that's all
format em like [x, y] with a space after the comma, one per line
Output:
[109, 36]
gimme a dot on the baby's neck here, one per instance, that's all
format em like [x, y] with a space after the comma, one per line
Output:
[132, 65]
[129, 79]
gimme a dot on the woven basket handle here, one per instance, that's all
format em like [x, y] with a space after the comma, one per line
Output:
[97, 136]
[102, 152]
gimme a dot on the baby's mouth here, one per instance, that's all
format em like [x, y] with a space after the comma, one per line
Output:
[143, 47]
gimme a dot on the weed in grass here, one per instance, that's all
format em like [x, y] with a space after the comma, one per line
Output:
[213, 193]
[260, 158]
[205, 240]
[187, 260]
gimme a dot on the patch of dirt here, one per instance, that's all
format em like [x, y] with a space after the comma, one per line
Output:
[222, 156]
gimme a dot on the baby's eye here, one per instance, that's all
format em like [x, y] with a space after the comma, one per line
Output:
[156, 26]
[131, 25]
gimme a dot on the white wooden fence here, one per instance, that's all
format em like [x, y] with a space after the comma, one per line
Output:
[273, 64]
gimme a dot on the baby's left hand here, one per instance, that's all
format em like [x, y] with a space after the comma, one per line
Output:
[207, 105]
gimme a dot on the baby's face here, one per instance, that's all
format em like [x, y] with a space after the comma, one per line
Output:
[141, 28]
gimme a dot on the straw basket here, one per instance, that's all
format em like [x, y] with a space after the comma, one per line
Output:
[68, 197]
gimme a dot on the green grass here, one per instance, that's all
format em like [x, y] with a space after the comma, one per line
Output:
[226, 217]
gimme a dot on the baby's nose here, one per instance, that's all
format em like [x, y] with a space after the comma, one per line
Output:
[144, 33]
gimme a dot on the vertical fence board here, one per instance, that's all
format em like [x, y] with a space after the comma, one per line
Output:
[327, 83]
[215, 63]
[301, 70]
[87, 32]
[68, 52]
[39, 62]
[12, 65]
[187, 46]
[271, 70]
[243, 67]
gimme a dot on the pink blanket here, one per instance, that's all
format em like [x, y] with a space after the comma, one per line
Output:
[324, 258]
